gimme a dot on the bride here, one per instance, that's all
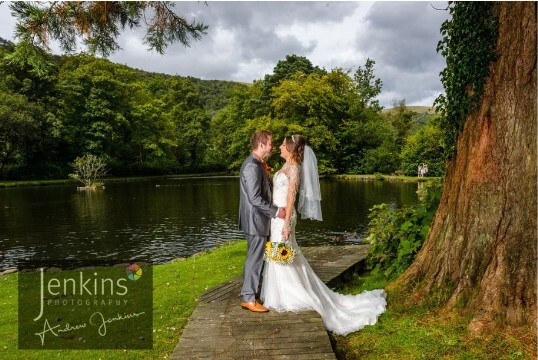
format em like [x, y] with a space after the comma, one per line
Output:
[295, 286]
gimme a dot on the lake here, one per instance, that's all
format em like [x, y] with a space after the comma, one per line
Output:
[162, 219]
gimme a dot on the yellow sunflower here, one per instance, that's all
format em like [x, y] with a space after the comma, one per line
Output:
[279, 253]
[284, 252]
[269, 252]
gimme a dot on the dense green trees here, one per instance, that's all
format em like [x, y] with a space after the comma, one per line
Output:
[337, 112]
[426, 146]
[145, 123]
[19, 127]
[141, 123]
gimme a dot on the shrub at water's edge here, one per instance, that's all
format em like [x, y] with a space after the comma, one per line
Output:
[88, 170]
[397, 235]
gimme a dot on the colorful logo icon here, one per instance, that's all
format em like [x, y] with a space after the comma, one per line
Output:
[134, 272]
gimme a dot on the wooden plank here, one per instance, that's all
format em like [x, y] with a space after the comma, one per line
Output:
[220, 329]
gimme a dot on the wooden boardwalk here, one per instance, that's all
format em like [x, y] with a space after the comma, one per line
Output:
[220, 329]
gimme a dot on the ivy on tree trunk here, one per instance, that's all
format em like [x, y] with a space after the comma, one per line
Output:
[483, 237]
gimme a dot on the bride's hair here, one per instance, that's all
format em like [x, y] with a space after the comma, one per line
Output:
[295, 145]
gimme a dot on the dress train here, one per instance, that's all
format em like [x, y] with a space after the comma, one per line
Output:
[296, 287]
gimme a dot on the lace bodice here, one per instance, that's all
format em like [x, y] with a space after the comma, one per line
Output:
[286, 183]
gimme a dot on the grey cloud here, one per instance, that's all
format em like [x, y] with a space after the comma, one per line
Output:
[249, 15]
[7, 23]
[400, 34]
[266, 45]
[255, 23]
[202, 60]
[402, 38]
[254, 27]
[411, 86]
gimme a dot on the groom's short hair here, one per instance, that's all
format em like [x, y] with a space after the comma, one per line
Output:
[259, 137]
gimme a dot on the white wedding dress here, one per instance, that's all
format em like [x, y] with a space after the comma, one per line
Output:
[296, 287]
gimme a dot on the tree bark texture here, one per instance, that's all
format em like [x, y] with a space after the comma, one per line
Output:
[483, 239]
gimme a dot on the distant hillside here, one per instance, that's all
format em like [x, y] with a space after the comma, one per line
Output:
[418, 109]
[423, 114]
[215, 94]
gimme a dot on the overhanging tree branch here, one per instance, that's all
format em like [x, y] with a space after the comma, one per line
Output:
[98, 23]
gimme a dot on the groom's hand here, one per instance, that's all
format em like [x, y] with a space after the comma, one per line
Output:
[281, 213]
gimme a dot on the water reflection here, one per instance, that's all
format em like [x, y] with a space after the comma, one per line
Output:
[163, 219]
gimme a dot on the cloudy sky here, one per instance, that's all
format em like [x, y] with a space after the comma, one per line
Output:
[245, 40]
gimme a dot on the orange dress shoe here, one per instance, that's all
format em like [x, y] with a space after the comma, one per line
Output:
[254, 306]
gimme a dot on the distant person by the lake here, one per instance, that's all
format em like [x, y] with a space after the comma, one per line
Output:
[422, 170]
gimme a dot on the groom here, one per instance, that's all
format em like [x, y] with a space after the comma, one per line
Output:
[255, 213]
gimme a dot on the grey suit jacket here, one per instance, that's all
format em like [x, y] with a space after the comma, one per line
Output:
[255, 198]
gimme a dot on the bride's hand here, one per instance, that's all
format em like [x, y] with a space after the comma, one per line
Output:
[286, 234]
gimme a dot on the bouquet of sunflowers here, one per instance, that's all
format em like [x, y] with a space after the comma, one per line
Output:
[280, 253]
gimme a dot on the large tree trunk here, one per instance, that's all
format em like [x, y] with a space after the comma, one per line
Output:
[482, 243]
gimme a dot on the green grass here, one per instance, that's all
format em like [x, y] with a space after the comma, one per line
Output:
[24, 183]
[177, 286]
[383, 176]
[27, 183]
[409, 330]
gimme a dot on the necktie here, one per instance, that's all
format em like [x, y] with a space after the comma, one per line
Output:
[266, 168]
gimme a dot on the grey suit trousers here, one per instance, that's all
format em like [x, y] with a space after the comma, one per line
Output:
[252, 272]
[255, 213]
